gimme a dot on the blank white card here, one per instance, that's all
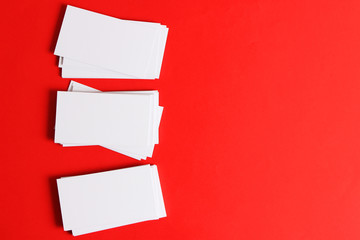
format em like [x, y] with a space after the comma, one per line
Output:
[109, 43]
[110, 199]
[104, 119]
[137, 152]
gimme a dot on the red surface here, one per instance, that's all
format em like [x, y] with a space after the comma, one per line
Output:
[260, 133]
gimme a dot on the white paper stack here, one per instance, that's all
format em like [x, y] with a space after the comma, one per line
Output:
[126, 122]
[92, 45]
[100, 201]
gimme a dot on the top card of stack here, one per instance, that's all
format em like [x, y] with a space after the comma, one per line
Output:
[92, 45]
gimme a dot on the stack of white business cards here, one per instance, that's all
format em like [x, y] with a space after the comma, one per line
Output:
[126, 122]
[92, 45]
[100, 201]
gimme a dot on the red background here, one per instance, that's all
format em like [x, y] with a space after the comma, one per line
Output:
[260, 133]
